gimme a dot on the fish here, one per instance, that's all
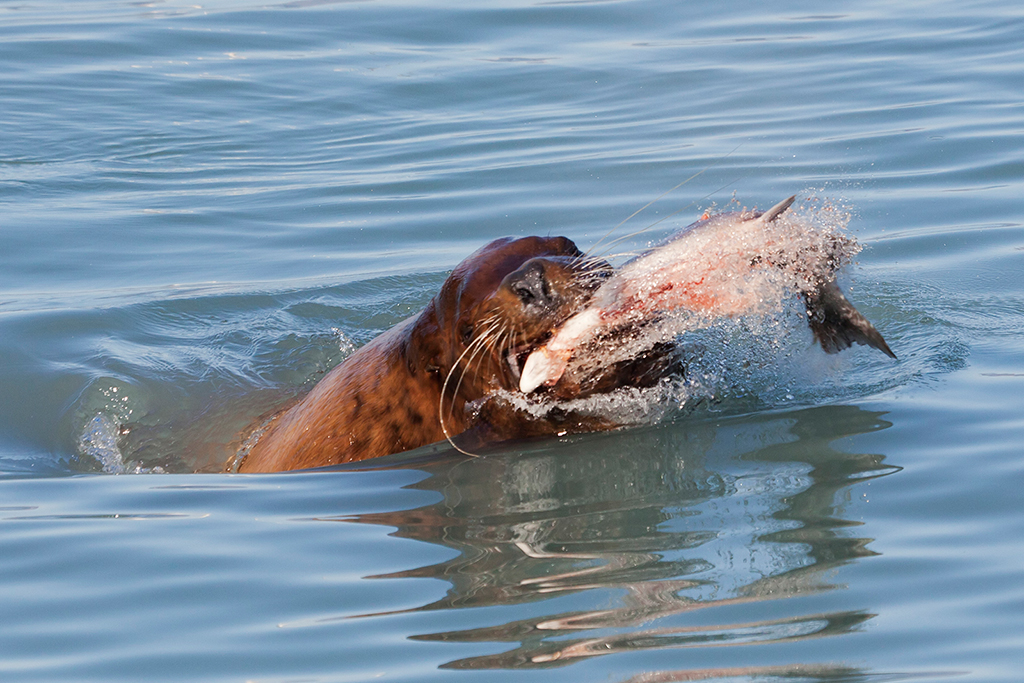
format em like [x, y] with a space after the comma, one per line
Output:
[725, 265]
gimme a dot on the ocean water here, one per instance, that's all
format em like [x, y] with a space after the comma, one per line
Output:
[203, 207]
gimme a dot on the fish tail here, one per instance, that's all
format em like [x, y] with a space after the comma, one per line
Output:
[836, 324]
[777, 210]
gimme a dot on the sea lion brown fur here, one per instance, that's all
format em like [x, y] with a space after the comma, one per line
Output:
[469, 341]
[450, 370]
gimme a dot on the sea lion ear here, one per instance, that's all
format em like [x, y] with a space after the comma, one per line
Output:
[423, 344]
[567, 247]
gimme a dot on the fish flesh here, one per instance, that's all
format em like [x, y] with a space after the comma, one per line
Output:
[729, 264]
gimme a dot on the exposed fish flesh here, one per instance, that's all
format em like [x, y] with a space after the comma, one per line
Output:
[725, 265]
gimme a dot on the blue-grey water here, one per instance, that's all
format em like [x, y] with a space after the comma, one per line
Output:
[203, 207]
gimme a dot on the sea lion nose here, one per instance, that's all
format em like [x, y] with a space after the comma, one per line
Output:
[530, 284]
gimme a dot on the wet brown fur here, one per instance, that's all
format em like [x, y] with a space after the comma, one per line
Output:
[386, 397]
[440, 373]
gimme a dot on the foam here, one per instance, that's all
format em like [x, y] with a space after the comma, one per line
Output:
[99, 441]
[728, 265]
[627, 405]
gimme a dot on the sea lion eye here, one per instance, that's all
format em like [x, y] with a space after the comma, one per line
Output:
[466, 332]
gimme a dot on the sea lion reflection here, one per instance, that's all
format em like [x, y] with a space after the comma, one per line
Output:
[655, 523]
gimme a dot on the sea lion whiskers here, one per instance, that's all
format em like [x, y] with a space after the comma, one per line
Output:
[664, 218]
[598, 264]
[667, 216]
[510, 352]
[637, 233]
[390, 395]
[663, 194]
[479, 343]
[591, 268]
[729, 265]
[488, 342]
[547, 291]
[499, 307]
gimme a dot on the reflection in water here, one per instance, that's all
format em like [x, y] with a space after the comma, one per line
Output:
[654, 524]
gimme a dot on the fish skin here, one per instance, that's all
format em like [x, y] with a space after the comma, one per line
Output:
[835, 323]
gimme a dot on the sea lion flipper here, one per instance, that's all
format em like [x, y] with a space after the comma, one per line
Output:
[836, 324]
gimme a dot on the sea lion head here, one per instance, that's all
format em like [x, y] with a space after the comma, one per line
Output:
[496, 306]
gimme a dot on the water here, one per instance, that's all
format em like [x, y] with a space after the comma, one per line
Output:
[206, 207]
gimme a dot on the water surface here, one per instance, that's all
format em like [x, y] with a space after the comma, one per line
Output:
[204, 208]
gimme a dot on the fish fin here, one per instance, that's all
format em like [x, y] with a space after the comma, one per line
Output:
[836, 324]
[777, 210]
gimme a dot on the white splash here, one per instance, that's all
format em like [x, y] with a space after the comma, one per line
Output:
[627, 405]
[99, 441]
[729, 265]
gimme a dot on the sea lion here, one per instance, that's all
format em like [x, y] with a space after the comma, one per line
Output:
[411, 385]
[450, 370]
